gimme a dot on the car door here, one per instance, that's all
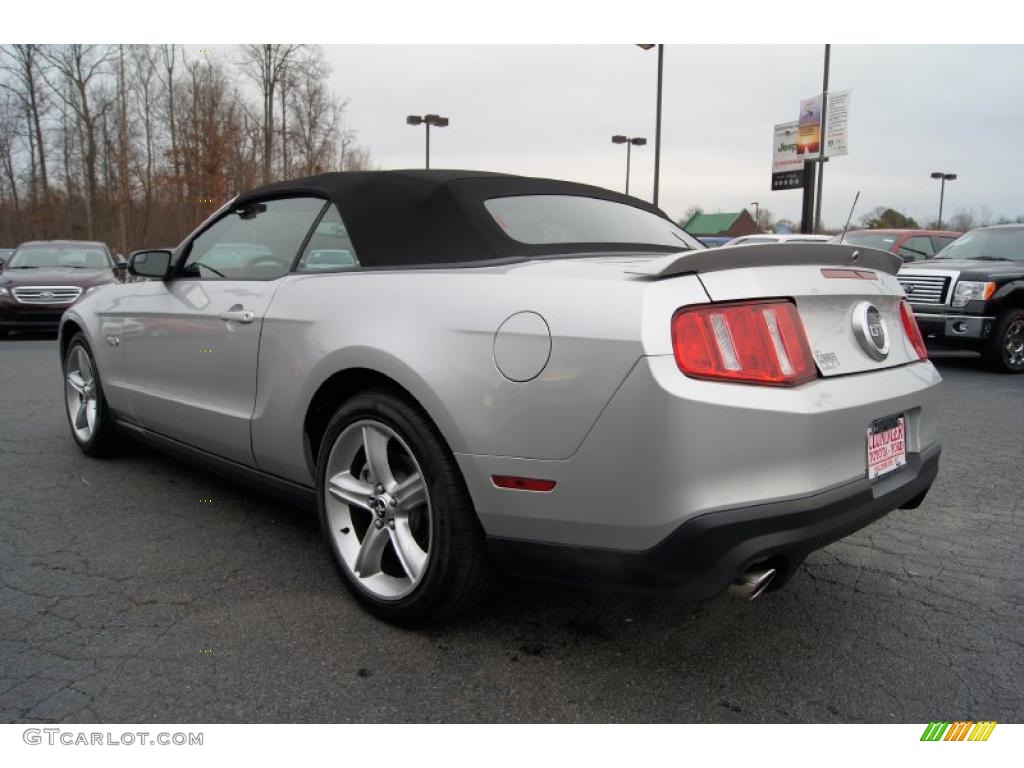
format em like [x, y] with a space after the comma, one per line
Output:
[191, 359]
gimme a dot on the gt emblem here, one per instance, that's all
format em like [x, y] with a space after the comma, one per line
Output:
[870, 329]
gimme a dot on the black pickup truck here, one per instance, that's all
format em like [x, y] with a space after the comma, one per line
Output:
[971, 295]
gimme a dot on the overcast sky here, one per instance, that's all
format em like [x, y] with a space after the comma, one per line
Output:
[551, 111]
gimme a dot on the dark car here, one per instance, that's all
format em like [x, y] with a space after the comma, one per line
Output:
[971, 295]
[44, 277]
[908, 244]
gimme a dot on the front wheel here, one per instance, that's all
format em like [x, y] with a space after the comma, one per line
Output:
[396, 514]
[1005, 349]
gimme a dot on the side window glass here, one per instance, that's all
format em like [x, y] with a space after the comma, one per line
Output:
[257, 241]
[917, 248]
[329, 248]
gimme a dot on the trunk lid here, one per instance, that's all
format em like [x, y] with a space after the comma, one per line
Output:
[830, 310]
[831, 285]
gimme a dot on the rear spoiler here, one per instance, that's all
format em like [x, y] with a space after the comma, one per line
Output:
[768, 255]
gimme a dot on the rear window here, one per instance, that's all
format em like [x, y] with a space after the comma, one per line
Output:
[556, 219]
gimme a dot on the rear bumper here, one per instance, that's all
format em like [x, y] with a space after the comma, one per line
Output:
[667, 448]
[704, 555]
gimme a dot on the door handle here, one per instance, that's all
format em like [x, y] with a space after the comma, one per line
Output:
[238, 316]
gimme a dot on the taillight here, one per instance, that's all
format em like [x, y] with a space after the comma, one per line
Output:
[758, 343]
[911, 329]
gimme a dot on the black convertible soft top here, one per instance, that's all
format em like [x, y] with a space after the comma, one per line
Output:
[425, 217]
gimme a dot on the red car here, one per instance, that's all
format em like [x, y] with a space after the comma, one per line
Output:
[908, 244]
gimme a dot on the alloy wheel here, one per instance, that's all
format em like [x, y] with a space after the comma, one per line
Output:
[80, 393]
[378, 509]
[1013, 344]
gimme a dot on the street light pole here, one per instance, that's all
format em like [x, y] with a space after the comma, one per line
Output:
[822, 157]
[657, 123]
[943, 178]
[629, 148]
[427, 120]
[757, 218]
[657, 127]
[630, 142]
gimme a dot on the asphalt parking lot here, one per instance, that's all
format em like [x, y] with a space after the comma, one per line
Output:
[141, 589]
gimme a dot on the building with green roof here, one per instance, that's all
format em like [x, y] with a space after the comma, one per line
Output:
[721, 224]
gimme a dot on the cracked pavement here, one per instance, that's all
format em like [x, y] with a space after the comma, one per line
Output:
[124, 598]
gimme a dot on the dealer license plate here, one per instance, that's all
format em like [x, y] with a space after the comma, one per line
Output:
[887, 446]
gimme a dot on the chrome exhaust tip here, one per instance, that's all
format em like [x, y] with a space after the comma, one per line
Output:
[752, 583]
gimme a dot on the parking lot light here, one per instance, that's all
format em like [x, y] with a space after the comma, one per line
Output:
[427, 120]
[943, 177]
[630, 142]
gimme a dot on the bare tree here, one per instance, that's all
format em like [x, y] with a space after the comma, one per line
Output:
[146, 93]
[765, 220]
[8, 131]
[317, 115]
[22, 63]
[267, 66]
[134, 145]
[961, 221]
[81, 68]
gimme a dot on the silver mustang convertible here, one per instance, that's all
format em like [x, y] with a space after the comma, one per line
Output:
[474, 372]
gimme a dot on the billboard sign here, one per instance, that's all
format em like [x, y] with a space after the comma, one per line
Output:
[837, 117]
[787, 165]
[808, 140]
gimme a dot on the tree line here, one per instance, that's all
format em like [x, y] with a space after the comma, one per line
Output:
[134, 145]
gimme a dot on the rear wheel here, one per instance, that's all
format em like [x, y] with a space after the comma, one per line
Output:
[88, 417]
[1004, 351]
[396, 514]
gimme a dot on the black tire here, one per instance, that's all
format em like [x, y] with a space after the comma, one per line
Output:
[457, 574]
[104, 440]
[997, 353]
[3, 333]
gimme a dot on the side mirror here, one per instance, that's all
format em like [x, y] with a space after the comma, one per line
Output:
[150, 263]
